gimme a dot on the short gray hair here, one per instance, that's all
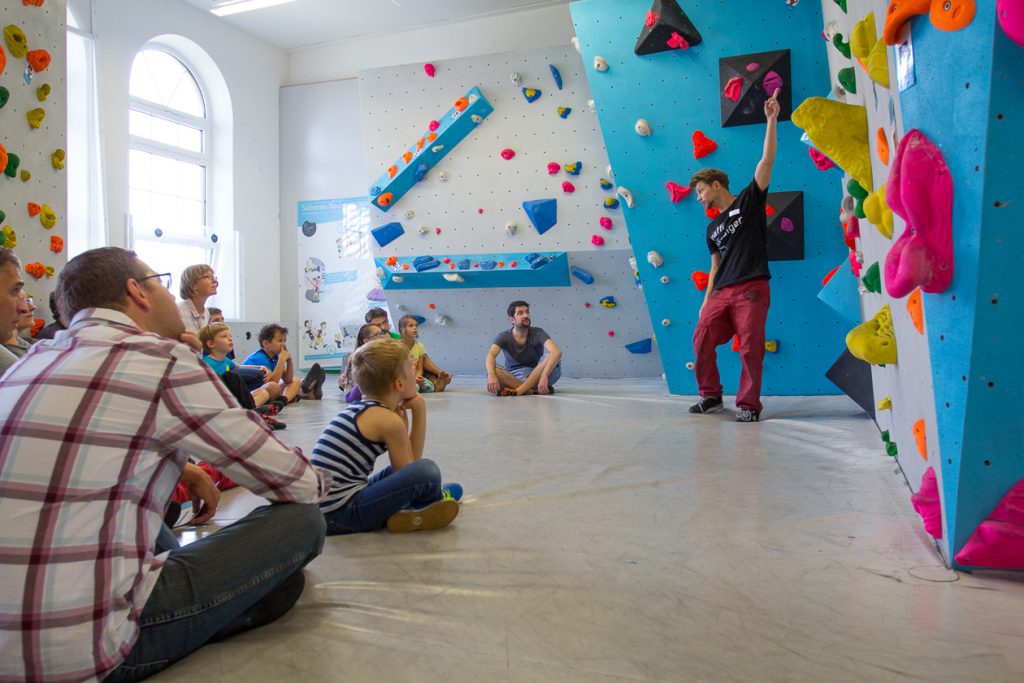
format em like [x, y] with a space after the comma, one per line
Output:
[97, 278]
[8, 256]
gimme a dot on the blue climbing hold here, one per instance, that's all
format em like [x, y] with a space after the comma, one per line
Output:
[574, 169]
[531, 94]
[611, 203]
[608, 302]
[557, 76]
[543, 213]
[464, 264]
[642, 346]
[564, 112]
[374, 191]
[531, 257]
[606, 184]
[421, 172]
[422, 263]
[582, 275]
[386, 234]
[158, 232]
[488, 265]
[419, 319]
[214, 238]
[539, 262]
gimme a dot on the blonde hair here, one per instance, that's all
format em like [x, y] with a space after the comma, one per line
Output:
[190, 277]
[208, 333]
[375, 366]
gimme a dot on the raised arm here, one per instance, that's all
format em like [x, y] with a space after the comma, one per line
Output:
[763, 173]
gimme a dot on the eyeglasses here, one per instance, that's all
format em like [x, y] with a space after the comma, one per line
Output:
[380, 334]
[211, 278]
[165, 279]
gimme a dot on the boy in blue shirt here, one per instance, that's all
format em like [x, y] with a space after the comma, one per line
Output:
[217, 343]
[275, 357]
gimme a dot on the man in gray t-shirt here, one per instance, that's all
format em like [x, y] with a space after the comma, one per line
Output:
[531, 356]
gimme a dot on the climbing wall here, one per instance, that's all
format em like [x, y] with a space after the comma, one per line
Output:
[460, 210]
[679, 92]
[33, 130]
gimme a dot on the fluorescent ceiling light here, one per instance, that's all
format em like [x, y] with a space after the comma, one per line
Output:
[223, 8]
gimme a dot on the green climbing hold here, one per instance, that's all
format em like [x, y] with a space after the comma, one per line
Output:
[873, 279]
[890, 449]
[841, 3]
[859, 194]
[844, 48]
[848, 79]
[5, 95]
[3, 216]
[13, 160]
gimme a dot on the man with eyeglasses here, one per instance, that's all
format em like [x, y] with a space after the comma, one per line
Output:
[96, 427]
[12, 303]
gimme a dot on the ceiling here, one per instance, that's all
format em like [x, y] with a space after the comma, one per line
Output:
[311, 22]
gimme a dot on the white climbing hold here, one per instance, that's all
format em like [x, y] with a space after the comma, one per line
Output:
[399, 307]
[600, 63]
[664, 279]
[442, 320]
[409, 213]
[591, 106]
[398, 278]
[831, 29]
[511, 227]
[436, 148]
[576, 44]
[642, 127]
[424, 230]
[608, 171]
[476, 118]
[654, 258]
[454, 277]
[691, 365]
[443, 177]
[666, 322]
[380, 273]
[627, 197]
[516, 79]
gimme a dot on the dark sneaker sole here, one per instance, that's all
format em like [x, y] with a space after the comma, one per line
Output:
[314, 381]
[694, 410]
[434, 516]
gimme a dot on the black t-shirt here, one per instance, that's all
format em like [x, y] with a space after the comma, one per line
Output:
[740, 235]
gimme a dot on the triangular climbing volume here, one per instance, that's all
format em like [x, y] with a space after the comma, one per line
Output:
[664, 25]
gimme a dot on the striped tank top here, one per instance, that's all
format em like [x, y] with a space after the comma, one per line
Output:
[346, 454]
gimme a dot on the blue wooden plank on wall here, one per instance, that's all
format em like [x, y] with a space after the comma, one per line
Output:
[479, 272]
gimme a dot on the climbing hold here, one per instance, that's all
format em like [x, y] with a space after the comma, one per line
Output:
[771, 346]
[591, 105]
[627, 197]
[600, 63]
[952, 15]
[605, 184]
[43, 92]
[575, 43]
[677, 42]
[859, 195]
[407, 157]
[712, 212]
[385, 199]
[513, 264]
[582, 275]
[554, 167]
[920, 190]
[574, 168]
[17, 43]
[874, 340]
[424, 230]
[655, 259]
[786, 224]
[772, 82]
[446, 259]
[878, 63]
[605, 222]
[5, 95]
[461, 104]
[898, 13]
[47, 217]
[35, 117]
[916, 310]
[398, 278]
[392, 170]
[642, 127]
[25, 175]
[543, 213]
[665, 322]
[56, 244]
[611, 203]
[531, 94]
[158, 232]
[516, 79]
[666, 27]
[35, 269]
[885, 403]
[489, 264]
[841, 45]
[596, 240]
[830, 275]
[703, 145]
[564, 112]
[38, 60]
[882, 145]
[443, 176]
[10, 238]
[476, 118]
[840, 131]
[429, 69]
[479, 210]
[374, 190]
[769, 210]
[442, 320]
[863, 36]
[433, 125]
[736, 342]
[822, 162]
[421, 172]
[608, 302]
[677, 192]
[642, 346]
[841, 4]
[873, 279]
[464, 264]
[1011, 18]
[568, 187]
[386, 234]
[848, 79]
[920, 439]
[511, 227]
[996, 542]
[651, 18]
[878, 212]
[733, 88]
[436, 149]
[537, 261]
[33, 209]
[453, 277]
[556, 75]
[507, 153]
[611, 333]
[664, 279]
[700, 279]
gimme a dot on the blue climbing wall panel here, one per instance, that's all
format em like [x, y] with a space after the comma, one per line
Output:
[677, 92]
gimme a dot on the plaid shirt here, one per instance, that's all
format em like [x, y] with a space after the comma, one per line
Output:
[95, 428]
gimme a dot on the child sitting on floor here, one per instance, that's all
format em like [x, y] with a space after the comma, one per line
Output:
[409, 328]
[217, 343]
[407, 495]
[346, 382]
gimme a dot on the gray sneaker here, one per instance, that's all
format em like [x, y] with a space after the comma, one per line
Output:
[748, 416]
[707, 404]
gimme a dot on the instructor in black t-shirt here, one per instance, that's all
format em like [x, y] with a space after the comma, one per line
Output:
[737, 298]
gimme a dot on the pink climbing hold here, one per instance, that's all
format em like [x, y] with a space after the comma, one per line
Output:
[596, 240]
[677, 192]
[851, 231]
[787, 225]
[437, 231]
[753, 66]
[855, 265]
[447, 259]
[513, 264]
[554, 167]
[606, 222]
[507, 153]
[1011, 18]
[677, 42]
[586, 304]
[998, 542]
[733, 88]
[434, 125]
[479, 210]
[822, 162]
[772, 83]
[429, 69]
[926, 502]
[568, 187]
[651, 19]
[920, 190]
[611, 333]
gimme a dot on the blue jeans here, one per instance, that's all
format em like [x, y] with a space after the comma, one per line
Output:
[415, 485]
[253, 377]
[243, 576]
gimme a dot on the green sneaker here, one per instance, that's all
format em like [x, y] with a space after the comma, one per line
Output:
[436, 515]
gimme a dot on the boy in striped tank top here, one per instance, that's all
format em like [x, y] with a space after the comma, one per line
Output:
[408, 494]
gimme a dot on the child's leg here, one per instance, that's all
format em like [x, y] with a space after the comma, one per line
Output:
[260, 396]
[417, 484]
[291, 390]
[274, 389]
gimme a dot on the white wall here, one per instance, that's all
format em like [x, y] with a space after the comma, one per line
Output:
[253, 72]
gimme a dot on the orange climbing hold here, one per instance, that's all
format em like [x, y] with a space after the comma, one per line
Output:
[35, 269]
[431, 137]
[915, 310]
[882, 145]
[392, 171]
[420, 143]
[37, 326]
[38, 59]
[920, 440]
[952, 15]
[56, 244]
[391, 261]
[34, 209]
[899, 13]
[3, 59]
[3, 151]
[32, 3]
[461, 104]
[385, 199]
[407, 157]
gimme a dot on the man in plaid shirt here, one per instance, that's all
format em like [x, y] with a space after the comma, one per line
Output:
[96, 426]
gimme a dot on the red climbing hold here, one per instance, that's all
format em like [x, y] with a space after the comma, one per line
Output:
[736, 343]
[554, 167]
[733, 88]
[822, 162]
[651, 19]
[34, 209]
[702, 145]
[596, 240]
[712, 212]
[832, 272]
[700, 279]
[568, 187]
[507, 153]
[769, 210]
[677, 42]
[606, 222]
[677, 192]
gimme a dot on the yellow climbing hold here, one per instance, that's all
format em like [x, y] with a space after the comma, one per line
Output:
[35, 117]
[863, 36]
[10, 238]
[885, 403]
[57, 159]
[771, 346]
[50, 270]
[840, 132]
[25, 175]
[874, 341]
[47, 216]
[878, 64]
[878, 212]
[43, 92]
[17, 43]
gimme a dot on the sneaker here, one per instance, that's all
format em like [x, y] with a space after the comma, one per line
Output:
[437, 515]
[272, 424]
[507, 392]
[313, 383]
[707, 404]
[748, 416]
[452, 490]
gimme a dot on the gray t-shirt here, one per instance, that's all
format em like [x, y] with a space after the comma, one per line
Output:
[528, 355]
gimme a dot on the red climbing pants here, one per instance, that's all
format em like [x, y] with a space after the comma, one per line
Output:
[740, 309]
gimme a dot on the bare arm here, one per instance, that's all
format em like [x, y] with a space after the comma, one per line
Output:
[554, 356]
[716, 261]
[763, 173]
[387, 426]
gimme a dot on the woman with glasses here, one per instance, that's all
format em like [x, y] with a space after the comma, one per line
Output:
[367, 333]
[198, 283]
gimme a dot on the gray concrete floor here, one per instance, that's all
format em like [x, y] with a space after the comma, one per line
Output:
[607, 535]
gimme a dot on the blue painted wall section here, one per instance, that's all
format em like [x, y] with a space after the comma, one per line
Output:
[552, 273]
[678, 93]
[452, 129]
